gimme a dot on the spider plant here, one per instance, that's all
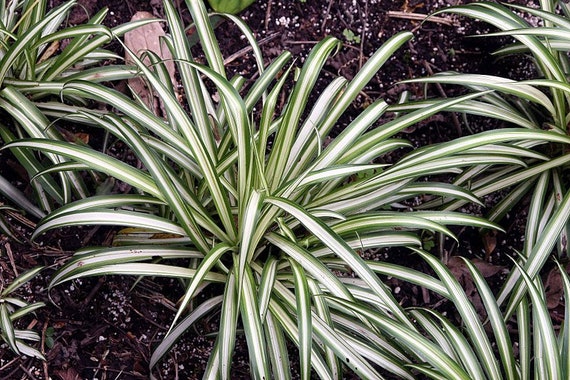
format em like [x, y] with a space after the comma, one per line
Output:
[38, 54]
[539, 104]
[269, 221]
[12, 309]
[33, 64]
[466, 344]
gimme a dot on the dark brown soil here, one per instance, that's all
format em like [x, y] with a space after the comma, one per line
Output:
[104, 329]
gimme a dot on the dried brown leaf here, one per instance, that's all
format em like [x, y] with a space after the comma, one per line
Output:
[489, 242]
[148, 38]
[486, 269]
[67, 374]
[460, 271]
[554, 288]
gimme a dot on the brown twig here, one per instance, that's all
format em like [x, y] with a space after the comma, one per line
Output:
[140, 314]
[441, 91]
[175, 365]
[21, 218]
[363, 34]
[89, 235]
[9, 363]
[43, 343]
[93, 291]
[11, 258]
[27, 371]
[421, 17]
[247, 49]
[268, 14]
[301, 42]
[326, 16]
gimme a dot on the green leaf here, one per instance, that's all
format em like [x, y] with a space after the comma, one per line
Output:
[32, 33]
[546, 335]
[303, 298]
[7, 328]
[88, 259]
[564, 335]
[495, 317]
[414, 341]
[280, 152]
[514, 288]
[22, 279]
[339, 247]
[253, 328]
[277, 349]
[209, 261]
[116, 218]
[450, 339]
[95, 160]
[468, 314]
[204, 309]
[230, 6]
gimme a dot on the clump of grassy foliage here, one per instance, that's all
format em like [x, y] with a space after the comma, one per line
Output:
[241, 200]
[13, 308]
[34, 66]
[539, 104]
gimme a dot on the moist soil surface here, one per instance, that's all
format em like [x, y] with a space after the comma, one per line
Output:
[107, 327]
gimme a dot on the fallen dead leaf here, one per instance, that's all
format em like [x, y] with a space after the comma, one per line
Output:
[148, 38]
[82, 12]
[78, 137]
[486, 269]
[489, 242]
[83, 137]
[50, 51]
[554, 288]
[460, 271]
[67, 374]
[457, 266]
